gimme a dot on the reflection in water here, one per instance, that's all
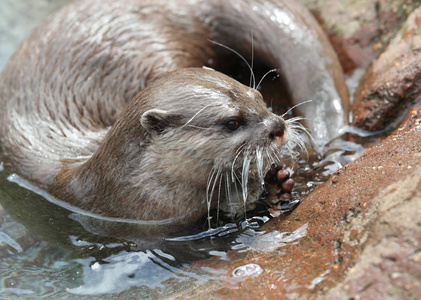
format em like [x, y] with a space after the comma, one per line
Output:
[268, 242]
[40, 270]
[122, 271]
[4, 238]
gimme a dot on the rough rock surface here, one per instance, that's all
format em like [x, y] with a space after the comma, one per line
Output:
[360, 29]
[393, 81]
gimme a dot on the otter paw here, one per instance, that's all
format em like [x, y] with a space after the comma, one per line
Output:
[285, 184]
[280, 188]
[280, 183]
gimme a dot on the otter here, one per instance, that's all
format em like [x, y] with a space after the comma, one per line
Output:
[106, 106]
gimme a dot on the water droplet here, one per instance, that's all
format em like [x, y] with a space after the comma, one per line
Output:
[96, 266]
[248, 270]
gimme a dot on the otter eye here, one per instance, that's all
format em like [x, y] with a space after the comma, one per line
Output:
[232, 125]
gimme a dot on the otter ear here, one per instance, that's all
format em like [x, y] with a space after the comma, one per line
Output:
[155, 121]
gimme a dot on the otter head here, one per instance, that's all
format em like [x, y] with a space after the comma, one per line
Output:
[210, 131]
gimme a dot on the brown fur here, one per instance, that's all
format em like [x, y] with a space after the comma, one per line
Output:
[76, 74]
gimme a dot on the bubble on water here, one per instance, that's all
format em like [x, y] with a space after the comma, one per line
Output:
[250, 270]
[96, 266]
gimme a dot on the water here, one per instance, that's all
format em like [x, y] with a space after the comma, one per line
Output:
[51, 250]
[49, 254]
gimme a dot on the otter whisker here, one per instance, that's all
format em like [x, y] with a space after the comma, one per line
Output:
[252, 58]
[259, 165]
[232, 188]
[264, 76]
[296, 105]
[295, 119]
[271, 155]
[276, 153]
[235, 159]
[219, 195]
[297, 140]
[303, 129]
[228, 188]
[236, 185]
[300, 147]
[240, 56]
[203, 128]
[217, 177]
[298, 127]
[210, 177]
[291, 153]
[244, 177]
[236, 178]
[209, 192]
[195, 115]
[241, 147]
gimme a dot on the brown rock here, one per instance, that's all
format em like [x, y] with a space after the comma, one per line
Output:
[393, 81]
[359, 29]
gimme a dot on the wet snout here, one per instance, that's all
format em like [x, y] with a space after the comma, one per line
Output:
[278, 131]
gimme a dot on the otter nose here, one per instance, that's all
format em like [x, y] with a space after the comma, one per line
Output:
[277, 135]
[278, 132]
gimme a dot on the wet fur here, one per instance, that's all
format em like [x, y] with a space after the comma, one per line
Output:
[79, 73]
